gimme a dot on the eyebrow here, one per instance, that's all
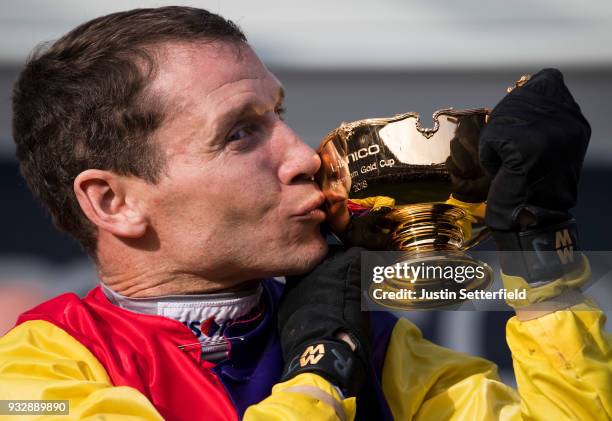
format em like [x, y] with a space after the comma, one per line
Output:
[245, 108]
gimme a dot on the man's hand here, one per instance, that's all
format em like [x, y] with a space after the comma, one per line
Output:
[534, 146]
[322, 328]
[372, 231]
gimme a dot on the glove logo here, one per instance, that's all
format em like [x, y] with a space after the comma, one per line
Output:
[342, 365]
[564, 246]
[312, 355]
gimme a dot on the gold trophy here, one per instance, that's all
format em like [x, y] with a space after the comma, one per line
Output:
[398, 163]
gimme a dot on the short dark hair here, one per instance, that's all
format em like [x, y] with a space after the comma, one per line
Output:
[83, 103]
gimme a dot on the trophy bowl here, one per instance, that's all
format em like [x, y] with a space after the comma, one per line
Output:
[396, 162]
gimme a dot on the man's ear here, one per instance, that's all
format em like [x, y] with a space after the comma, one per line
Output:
[105, 199]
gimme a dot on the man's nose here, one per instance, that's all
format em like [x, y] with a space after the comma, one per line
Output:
[300, 161]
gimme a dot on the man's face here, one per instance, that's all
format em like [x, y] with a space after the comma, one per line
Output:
[237, 200]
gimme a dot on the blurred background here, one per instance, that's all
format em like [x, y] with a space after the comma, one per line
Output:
[342, 61]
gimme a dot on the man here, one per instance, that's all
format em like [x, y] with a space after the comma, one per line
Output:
[155, 137]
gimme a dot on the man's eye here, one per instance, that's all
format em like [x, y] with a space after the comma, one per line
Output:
[280, 111]
[241, 133]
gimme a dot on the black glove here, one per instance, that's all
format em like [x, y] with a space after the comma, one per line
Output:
[313, 310]
[534, 145]
[372, 231]
[470, 182]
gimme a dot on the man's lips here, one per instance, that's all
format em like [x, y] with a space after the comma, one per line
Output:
[312, 208]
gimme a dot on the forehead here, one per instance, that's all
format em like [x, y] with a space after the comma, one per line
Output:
[199, 74]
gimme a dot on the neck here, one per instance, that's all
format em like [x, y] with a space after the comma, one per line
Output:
[158, 283]
[143, 275]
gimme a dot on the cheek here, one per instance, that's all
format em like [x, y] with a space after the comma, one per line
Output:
[220, 198]
[251, 187]
[240, 191]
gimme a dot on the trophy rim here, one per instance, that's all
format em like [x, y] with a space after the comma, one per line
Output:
[346, 129]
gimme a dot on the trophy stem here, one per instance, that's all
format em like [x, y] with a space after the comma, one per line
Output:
[432, 237]
[428, 227]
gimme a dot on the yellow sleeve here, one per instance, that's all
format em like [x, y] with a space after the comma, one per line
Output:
[424, 381]
[304, 397]
[563, 364]
[38, 360]
[562, 359]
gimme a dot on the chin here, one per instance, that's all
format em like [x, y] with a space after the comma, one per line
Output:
[306, 257]
[300, 258]
[296, 253]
